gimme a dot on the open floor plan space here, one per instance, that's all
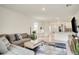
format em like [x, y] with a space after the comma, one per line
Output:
[39, 29]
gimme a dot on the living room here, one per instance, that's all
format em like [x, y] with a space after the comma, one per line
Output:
[36, 28]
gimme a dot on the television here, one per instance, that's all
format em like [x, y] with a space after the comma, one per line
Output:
[74, 25]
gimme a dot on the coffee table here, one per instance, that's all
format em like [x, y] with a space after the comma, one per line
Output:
[32, 44]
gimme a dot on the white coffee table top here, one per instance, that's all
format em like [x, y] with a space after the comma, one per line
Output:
[32, 44]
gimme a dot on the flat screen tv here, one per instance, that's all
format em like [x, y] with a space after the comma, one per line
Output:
[74, 25]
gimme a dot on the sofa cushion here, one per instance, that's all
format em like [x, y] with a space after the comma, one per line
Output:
[11, 37]
[1, 35]
[5, 41]
[17, 50]
[24, 35]
[19, 42]
[3, 47]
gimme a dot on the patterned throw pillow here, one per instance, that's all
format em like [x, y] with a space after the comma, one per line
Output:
[18, 37]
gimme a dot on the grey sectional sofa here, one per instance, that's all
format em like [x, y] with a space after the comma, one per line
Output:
[8, 47]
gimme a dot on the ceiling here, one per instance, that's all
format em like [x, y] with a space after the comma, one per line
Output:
[51, 12]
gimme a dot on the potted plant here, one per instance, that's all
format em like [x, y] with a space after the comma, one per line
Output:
[33, 35]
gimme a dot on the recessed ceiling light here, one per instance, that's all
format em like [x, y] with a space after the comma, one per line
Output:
[43, 9]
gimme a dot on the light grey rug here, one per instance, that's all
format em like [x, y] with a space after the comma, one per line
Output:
[50, 50]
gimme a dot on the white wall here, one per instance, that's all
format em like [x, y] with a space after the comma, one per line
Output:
[13, 22]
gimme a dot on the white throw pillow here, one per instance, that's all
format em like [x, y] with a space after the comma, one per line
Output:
[3, 48]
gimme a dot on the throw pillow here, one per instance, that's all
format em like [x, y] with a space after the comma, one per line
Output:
[18, 36]
[5, 41]
[3, 47]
